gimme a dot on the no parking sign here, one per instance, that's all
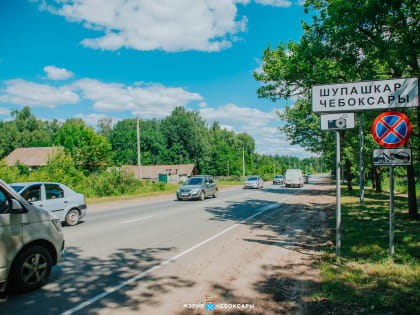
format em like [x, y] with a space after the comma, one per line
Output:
[391, 129]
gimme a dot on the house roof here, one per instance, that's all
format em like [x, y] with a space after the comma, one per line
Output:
[37, 156]
[153, 171]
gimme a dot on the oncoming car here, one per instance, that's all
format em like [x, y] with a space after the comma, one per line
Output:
[64, 203]
[278, 179]
[254, 182]
[198, 187]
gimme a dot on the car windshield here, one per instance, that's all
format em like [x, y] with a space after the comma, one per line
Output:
[253, 178]
[17, 188]
[194, 181]
[279, 176]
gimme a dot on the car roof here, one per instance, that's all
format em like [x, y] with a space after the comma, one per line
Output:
[33, 183]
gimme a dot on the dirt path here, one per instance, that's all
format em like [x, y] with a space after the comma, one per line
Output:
[269, 264]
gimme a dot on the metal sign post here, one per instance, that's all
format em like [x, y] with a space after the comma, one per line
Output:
[391, 211]
[391, 158]
[338, 194]
[362, 176]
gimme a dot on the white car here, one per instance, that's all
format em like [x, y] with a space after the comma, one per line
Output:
[293, 177]
[31, 242]
[64, 203]
[254, 182]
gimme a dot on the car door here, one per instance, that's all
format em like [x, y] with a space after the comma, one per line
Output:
[55, 201]
[10, 233]
[212, 186]
[207, 186]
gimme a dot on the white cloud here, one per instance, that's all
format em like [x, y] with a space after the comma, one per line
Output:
[203, 104]
[148, 101]
[93, 119]
[259, 125]
[275, 3]
[25, 93]
[54, 73]
[228, 128]
[204, 25]
[4, 111]
[232, 114]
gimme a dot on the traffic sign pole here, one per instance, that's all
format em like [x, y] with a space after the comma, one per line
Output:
[338, 197]
[391, 211]
[362, 177]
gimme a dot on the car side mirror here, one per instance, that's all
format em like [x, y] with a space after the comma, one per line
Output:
[16, 206]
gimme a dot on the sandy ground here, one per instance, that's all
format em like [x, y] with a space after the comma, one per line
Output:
[269, 264]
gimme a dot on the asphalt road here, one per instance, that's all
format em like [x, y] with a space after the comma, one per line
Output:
[113, 250]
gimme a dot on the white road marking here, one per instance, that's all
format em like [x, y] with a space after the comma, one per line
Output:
[109, 291]
[135, 219]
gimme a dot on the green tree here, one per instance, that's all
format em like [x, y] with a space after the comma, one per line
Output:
[88, 150]
[346, 41]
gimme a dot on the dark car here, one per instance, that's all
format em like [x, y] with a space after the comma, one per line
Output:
[198, 187]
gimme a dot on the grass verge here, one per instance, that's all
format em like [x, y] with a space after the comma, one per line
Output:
[169, 189]
[365, 279]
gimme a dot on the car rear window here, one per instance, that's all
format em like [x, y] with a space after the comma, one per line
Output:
[53, 191]
[253, 178]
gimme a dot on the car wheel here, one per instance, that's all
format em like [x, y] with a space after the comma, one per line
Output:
[216, 192]
[177, 197]
[202, 196]
[31, 269]
[72, 217]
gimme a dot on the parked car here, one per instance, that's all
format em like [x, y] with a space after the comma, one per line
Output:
[294, 177]
[67, 205]
[198, 187]
[254, 182]
[31, 242]
[278, 180]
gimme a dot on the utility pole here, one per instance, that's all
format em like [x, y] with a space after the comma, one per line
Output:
[243, 161]
[274, 163]
[227, 168]
[180, 159]
[138, 148]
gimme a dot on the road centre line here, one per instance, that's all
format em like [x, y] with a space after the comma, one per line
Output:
[109, 291]
[135, 219]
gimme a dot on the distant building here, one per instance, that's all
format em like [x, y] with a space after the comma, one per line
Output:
[171, 174]
[34, 157]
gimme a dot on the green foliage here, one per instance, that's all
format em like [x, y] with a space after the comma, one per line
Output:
[89, 150]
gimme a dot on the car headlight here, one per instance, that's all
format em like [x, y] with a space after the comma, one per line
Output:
[57, 224]
[195, 190]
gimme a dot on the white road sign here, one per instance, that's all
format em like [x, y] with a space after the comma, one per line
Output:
[337, 121]
[392, 157]
[369, 95]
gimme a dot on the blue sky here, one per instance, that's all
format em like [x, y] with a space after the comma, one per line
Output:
[121, 58]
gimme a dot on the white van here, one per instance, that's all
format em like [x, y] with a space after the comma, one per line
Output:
[293, 177]
[31, 242]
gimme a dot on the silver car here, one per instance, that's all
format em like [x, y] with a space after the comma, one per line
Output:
[254, 182]
[64, 203]
[198, 187]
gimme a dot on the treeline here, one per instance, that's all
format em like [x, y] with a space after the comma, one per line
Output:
[180, 138]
